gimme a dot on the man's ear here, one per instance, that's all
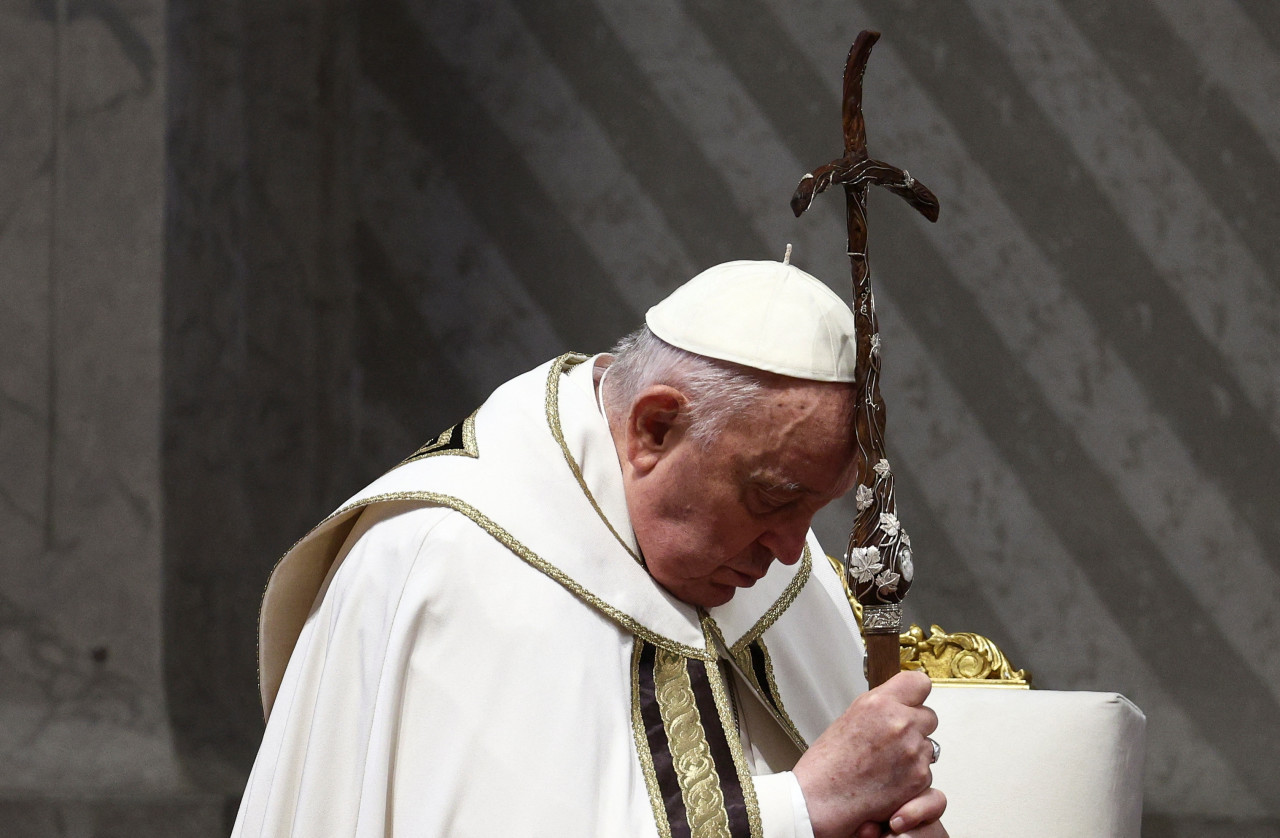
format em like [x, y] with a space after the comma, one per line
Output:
[654, 425]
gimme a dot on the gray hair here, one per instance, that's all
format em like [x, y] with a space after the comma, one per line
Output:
[715, 390]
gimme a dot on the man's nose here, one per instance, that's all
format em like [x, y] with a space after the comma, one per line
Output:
[786, 541]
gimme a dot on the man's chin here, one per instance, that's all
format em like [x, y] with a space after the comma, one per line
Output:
[703, 593]
[710, 595]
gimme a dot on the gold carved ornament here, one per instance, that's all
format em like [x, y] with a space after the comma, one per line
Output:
[961, 659]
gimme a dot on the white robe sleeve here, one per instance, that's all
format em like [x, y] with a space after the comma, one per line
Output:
[783, 813]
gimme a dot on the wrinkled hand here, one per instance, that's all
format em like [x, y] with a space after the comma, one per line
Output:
[871, 766]
[932, 829]
[917, 818]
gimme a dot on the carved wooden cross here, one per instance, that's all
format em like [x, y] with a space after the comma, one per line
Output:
[878, 562]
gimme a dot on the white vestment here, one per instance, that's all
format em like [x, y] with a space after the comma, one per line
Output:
[483, 654]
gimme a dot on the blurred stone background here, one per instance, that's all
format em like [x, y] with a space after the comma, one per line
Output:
[253, 253]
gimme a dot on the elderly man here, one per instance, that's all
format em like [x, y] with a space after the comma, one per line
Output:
[595, 606]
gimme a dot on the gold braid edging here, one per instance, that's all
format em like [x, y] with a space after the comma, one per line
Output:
[561, 364]
[660, 816]
[784, 719]
[509, 541]
[724, 709]
[439, 447]
[741, 656]
[780, 605]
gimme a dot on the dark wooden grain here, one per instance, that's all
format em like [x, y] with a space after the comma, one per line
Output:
[856, 171]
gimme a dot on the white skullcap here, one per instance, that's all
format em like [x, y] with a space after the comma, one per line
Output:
[765, 315]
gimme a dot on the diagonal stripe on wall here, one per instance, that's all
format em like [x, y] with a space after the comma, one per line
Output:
[1082, 358]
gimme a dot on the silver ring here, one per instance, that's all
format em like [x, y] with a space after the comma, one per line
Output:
[937, 749]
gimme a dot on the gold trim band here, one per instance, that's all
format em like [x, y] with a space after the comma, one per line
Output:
[558, 368]
[511, 543]
[695, 768]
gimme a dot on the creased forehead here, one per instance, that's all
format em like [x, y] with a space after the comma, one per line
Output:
[789, 401]
[800, 438]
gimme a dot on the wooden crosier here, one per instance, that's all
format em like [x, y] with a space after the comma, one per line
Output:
[878, 560]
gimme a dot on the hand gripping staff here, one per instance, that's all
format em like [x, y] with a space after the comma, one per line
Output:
[878, 561]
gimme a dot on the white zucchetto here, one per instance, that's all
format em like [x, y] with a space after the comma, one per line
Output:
[766, 315]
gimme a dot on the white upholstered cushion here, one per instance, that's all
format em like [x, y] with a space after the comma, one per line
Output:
[1039, 763]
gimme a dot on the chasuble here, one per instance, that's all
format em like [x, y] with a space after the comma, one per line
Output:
[474, 647]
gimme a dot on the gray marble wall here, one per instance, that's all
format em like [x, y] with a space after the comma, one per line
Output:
[257, 319]
[85, 738]
[82, 263]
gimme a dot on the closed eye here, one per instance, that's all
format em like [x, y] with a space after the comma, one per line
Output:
[771, 501]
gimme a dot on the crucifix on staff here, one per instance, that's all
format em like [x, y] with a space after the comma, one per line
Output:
[878, 561]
